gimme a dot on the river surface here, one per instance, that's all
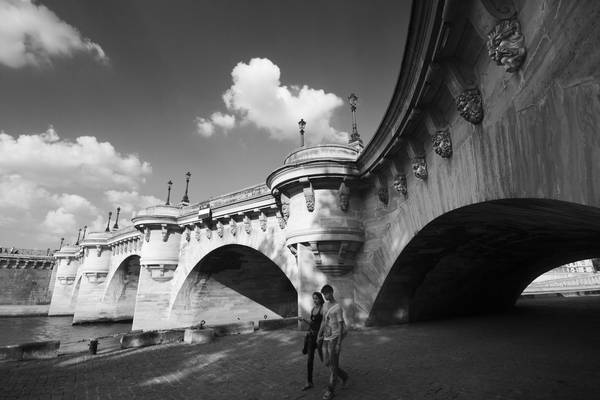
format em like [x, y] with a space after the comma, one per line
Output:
[15, 330]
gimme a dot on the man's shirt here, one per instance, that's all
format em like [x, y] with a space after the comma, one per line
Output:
[333, 322]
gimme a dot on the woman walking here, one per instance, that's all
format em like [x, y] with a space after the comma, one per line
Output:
[310, 341]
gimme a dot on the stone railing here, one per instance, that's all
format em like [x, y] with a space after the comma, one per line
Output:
[24, 261]
[27, 252]
[238, 196]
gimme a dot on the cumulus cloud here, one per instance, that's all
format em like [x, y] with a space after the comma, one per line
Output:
[20, 194]
[206, 126]
[52, 187]
[47, 159]
[130, 201]
[258, 97]
[31, 34]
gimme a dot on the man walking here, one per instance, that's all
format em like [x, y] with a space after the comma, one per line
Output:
[332, 331]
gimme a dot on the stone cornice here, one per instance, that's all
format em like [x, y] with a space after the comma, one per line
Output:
[313, 169]
[124, 234]
[425, 24]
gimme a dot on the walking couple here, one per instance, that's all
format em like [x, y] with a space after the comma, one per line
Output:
[326, 332]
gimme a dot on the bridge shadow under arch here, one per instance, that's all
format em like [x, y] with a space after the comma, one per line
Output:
[234, 283]
[122, 288]
[479, 258]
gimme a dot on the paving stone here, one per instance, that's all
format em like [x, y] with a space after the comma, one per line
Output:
[538, 354]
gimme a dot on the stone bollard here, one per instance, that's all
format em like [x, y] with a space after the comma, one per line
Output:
[93, 346]
[199, 336]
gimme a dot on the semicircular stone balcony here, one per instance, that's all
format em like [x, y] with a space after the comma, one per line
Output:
[159, 225]
[313, 190]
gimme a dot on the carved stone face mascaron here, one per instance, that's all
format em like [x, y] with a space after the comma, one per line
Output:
[419, 167]
[442, 144]
[470, 106]
[506, 45]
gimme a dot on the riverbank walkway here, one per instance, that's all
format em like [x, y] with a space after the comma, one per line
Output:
[548, 348]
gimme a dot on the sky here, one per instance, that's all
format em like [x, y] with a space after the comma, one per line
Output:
[102, 102]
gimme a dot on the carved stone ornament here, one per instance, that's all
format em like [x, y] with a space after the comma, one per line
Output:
[65, 280]
[344, 196]
[506, 44]
[98, 250]
[95, 277]
[233, 227]
[87, 251]
[161, 272]
[247, 225]
[285, 210]
[139, 242]
[164, 232]
[400, 184]
[280, 220]
[147, 234]
[442, 144]
[262, 220]
[309, 196]
[419, 166]
[197, 233]
[470, 106]
[208, 233]
[220, 229]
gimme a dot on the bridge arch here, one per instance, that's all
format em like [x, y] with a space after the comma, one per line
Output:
[122, 284]
[232, 283]
[480, 257]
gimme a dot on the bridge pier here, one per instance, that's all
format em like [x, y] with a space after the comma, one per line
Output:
[93, 272]
[161, 237]
[67, 264]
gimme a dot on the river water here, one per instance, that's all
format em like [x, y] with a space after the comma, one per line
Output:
[15, 330]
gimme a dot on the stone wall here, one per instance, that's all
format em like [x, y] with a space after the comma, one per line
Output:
[25, 286]
[25, 276]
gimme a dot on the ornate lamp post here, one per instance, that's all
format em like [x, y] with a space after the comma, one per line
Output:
[108, 224]
[185, 198]
[84, 231]
[62, 240]
[168, 203]
[78, 235]
[353, 101]
[116, 225]
[302, 125]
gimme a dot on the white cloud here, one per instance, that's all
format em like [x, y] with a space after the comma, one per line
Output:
[130, 202]
[224, 121]
[53, 162]
[59, 222]
[31, 34]
[206, 126]
[258, 97]
[50, 187]
[20, 194]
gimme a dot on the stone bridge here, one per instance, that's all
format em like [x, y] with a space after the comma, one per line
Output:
[483, 174]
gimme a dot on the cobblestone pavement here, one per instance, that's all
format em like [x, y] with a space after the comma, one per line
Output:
[546, 349]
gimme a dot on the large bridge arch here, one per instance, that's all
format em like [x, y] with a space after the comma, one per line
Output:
[121, 288]
[234, 282]
[480, 257]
